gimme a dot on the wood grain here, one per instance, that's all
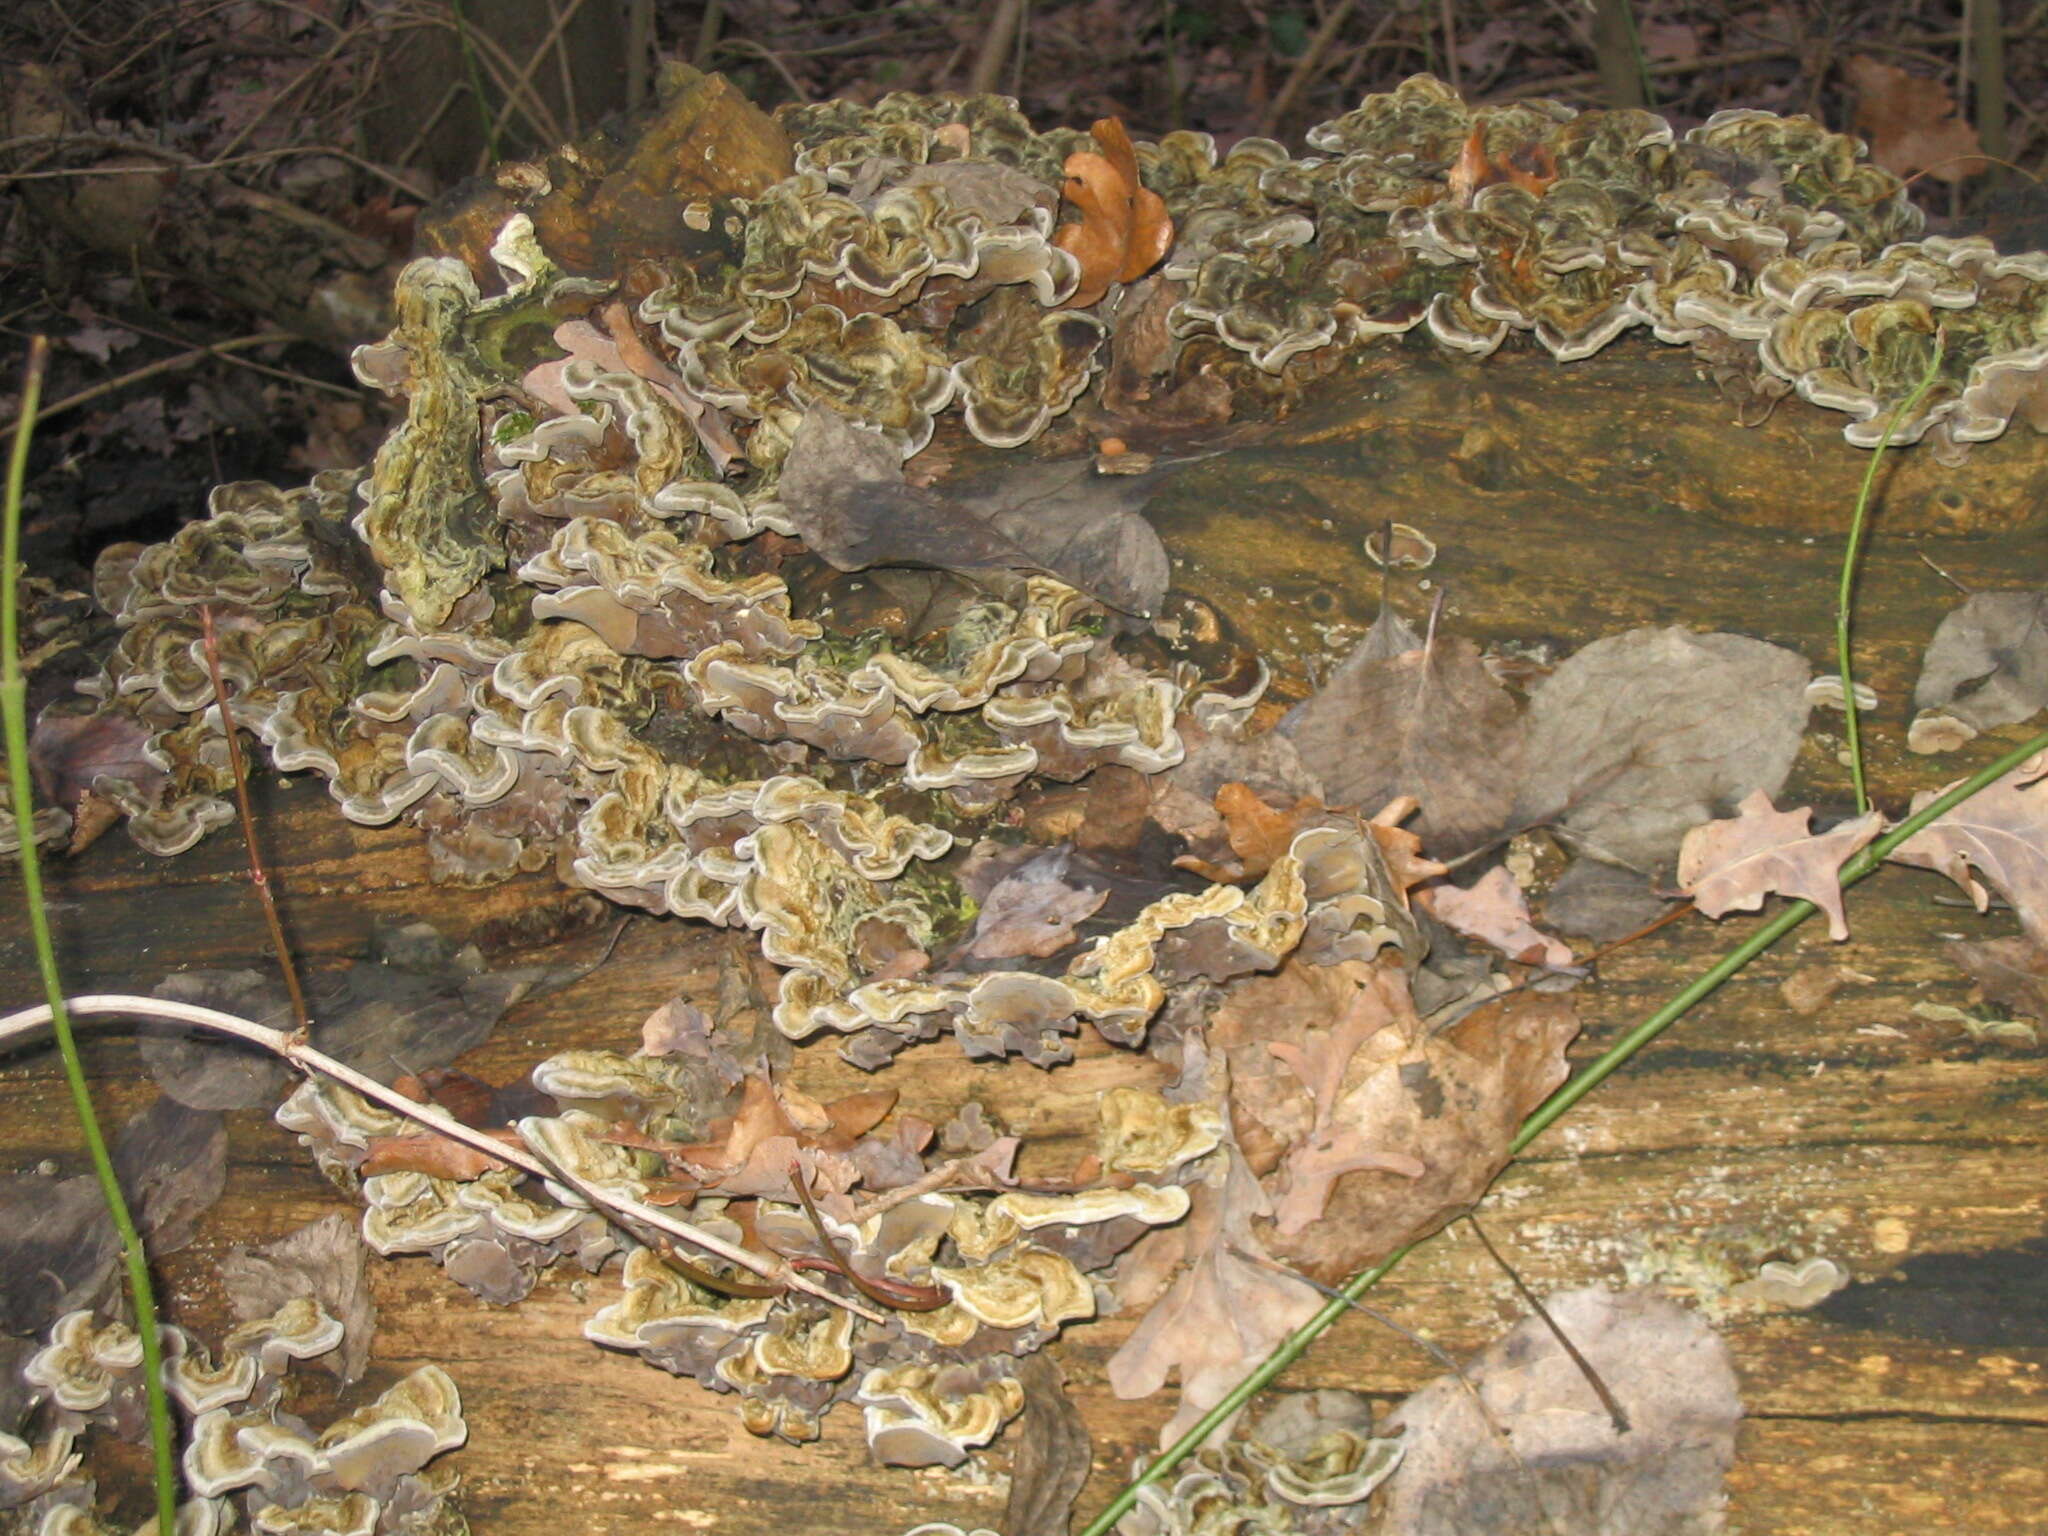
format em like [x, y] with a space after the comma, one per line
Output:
[1894, 1145]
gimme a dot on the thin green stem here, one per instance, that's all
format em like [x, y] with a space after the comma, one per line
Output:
[1851, 558]
[1598, 1071]
[14, 717]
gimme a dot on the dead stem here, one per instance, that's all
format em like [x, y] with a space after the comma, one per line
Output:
[432, 1116]
[1608, 1400]
[259, 876]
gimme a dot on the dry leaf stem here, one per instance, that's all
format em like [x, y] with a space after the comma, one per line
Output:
[1290, 1349]
[14, 711]
[259, 875]
[432, 1116]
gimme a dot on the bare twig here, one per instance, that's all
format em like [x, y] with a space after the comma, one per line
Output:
[997, 40]
[50, 144]
[259, 876]
[432, 1116]
[748, 45]
[1310, 64]
[707, 34]
[161, 365]
[1615, 1412]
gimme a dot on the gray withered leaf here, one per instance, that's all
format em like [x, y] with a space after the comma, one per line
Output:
[1988, 661]
[1033, 910]
[1053, 1454]
[2013, 972]
[61, 1250]
[843, 488]
[323, 1259]
[173, 1165]
[1429, 721]
[1639, 737]
[1521, 1443]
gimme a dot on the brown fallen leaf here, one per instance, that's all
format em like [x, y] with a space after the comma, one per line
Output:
[1367, 1130]
[1258, 833]
[436, 1156]
[1911, 122]
[1053, 1453]
[1729, 866]
[1430, 722]
[2000, 833]
[1124, 230]
[1807, 990]
[1032, 911]
[1223, 1314]
[1532, 168]
[844, 489]
[1494, 910]
[2013, 972]
[1561, 1466]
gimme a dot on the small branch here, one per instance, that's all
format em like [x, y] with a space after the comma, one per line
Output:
[258, 875]
[151, 370]
[1616, 1414]
[996, 44]
[432, 1116]
[1310, 64]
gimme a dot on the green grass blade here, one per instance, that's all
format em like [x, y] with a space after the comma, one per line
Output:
[14, 715]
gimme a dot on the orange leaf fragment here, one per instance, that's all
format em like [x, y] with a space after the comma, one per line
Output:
[1124, 230]
[1258, 833]
[434, 1155]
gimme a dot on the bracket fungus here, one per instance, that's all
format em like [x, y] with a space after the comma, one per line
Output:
[365, 1473]
[589, 609]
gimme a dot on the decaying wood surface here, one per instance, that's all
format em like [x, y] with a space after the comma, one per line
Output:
[1919, 1160]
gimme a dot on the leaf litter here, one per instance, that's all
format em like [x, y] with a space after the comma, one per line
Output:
[1353, 1124]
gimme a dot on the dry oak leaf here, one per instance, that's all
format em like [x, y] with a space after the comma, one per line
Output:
[1124, 230]
[2001, 833]
[1495, 910]
[1225, 1312]
[1367, 1130]
[1729, 866]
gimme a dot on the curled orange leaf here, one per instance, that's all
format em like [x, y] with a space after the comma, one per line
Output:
[1123, 231]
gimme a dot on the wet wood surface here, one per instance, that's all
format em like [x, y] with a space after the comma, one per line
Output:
[1889, 1142]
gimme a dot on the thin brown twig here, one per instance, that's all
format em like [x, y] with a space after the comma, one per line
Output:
[505, 76]
[289, 89]
[1310, 65]
[151, 370]
[748, 45]
[1616, 1414]
[900, 1295]
[52, 143]
[523, 86]
[287, 375]
[1711, 61]
[998, 38]
[259, 876]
